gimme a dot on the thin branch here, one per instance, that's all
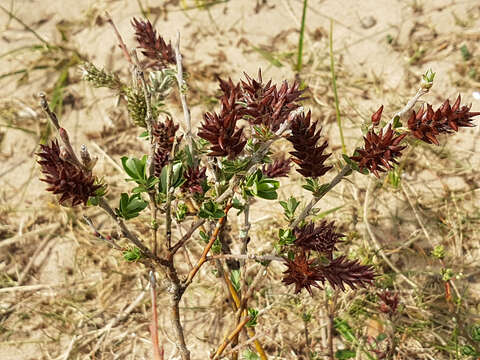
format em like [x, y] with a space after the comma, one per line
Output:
[203, 258]
[61, 131]
[331, 307]
[346, 169]
[230, 337]
[129, 235]
[336, 180]
[154, 325]
[409, 106]
[241, 305]
[121, 43]
[246, 257]
[376, 244]
[183, 97]
[255, 159]
[168, 205]
[176, 291]
[99, 235]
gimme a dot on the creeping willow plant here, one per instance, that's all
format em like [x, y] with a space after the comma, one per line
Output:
[197, 177]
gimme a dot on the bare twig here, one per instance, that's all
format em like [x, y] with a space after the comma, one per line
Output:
[244, 238]
[121, 43]
[331, 308]
[246, 257]
[409, 106]
[99, 235]
[376, 244]
[415, 212]
[203, 257]
[176, 291]
[14, 239]
[129, 235]
[346, 169]
[336, 180]
[230, 337]
[183, 97]
[108, 157]
[61, 131]
[30, 287]
[154, 325]
[34, 257]
[66, 355]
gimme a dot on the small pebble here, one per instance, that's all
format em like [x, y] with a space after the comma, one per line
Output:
[368, 22]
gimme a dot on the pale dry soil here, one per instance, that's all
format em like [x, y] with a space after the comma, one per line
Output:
[381, 48]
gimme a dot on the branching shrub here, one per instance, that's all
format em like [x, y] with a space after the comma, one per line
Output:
[197, 177]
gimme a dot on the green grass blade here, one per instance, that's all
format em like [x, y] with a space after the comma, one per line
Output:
[28, 28]
[268, 56]
[300, 39]
[334, 83]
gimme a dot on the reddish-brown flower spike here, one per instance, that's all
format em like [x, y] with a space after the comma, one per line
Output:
[72, 184]
[220, 129]
[389, 302]
[222, 133]
[322, 238]
[279, 168]
[377, 116]
[230, 97]
[162, 158]
[307, 155]
[164, 133]
[427, 125]
[380, 151]
[268, 105]
[302, 273]
[153, 45]
[194, 177]
[342, 271]
[164, 136]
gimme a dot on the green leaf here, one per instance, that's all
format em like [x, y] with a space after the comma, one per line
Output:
[381, 337]
[306, 317]
[345, 354]
[268, 195]
[216, 247]
[204, 237]
[236, 166]
[468, 350]
[323, 214]
[253, 317]
[344, 329]
[250, 355]
[237, 204]
[132, 255]
[235, 279]
[396, 122]
[286, 237]
[289, 207]
[475, 332]
[130, 207]
[466, 55]
[210, 210]
[260, 186]
[177, 177]
[181, 212]
[136, 169]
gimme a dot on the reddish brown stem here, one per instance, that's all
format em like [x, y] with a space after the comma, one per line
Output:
[230, 337]
[157, 355]
[121, 43]
[203, 258]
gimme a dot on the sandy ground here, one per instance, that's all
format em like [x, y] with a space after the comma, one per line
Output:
[381, 48]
